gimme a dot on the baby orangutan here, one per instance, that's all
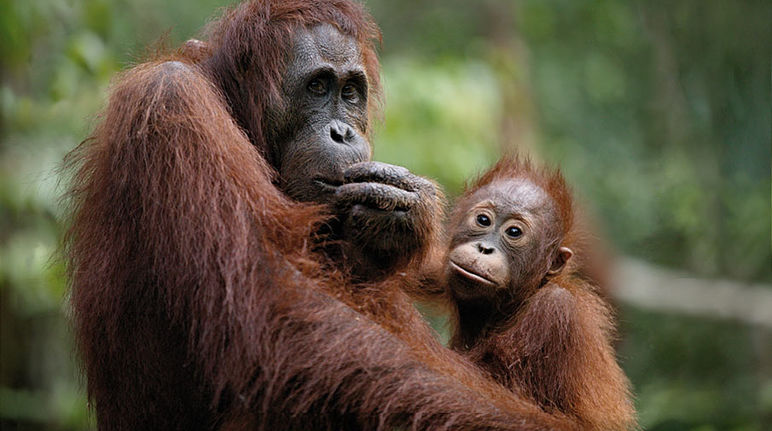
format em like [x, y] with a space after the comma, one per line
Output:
[523, 313]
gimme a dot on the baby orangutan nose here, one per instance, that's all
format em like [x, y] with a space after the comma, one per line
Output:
[478, 264]
[484, 249]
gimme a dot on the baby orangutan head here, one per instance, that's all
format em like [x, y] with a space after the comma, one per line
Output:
[508, 233]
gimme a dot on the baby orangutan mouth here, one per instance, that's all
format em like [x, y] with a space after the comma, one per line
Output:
[471, 275]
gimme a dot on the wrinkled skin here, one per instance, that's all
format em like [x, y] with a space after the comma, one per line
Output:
[322, 155]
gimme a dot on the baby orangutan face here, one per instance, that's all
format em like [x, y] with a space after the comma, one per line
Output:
[505, 241]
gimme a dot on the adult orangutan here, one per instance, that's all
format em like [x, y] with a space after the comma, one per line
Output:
[227, 227]
[523, 311]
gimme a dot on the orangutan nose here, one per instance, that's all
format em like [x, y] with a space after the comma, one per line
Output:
[485, 249]
[341, 132]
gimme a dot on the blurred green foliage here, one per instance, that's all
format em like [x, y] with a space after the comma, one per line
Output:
[658, 112]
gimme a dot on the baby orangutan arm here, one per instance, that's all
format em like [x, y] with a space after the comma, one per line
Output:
[559, 352]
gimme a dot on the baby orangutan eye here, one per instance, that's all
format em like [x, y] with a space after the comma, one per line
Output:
[483, 220]
[513, 232]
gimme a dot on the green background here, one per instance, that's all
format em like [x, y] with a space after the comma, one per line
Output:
[657, 111]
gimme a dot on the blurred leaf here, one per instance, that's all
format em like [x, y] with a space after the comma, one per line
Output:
[88, 50]
[440, 120]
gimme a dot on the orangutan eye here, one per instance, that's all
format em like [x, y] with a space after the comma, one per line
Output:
[349, 93]
[317, 87]
[513, 232]
[483, 220]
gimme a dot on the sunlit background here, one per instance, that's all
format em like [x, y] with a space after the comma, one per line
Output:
[657, 111]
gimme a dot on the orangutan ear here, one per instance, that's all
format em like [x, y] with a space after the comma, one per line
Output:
[196, 50]
[559, 261]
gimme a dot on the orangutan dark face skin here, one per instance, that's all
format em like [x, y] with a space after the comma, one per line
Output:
[323, 130]
[322, 153]
[506, 241]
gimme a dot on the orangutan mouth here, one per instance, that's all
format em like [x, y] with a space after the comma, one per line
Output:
[471, 275]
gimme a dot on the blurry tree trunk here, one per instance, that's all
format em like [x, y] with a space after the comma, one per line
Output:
[762, 344]
[678, 134]
[509, 59]
[646, 286]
